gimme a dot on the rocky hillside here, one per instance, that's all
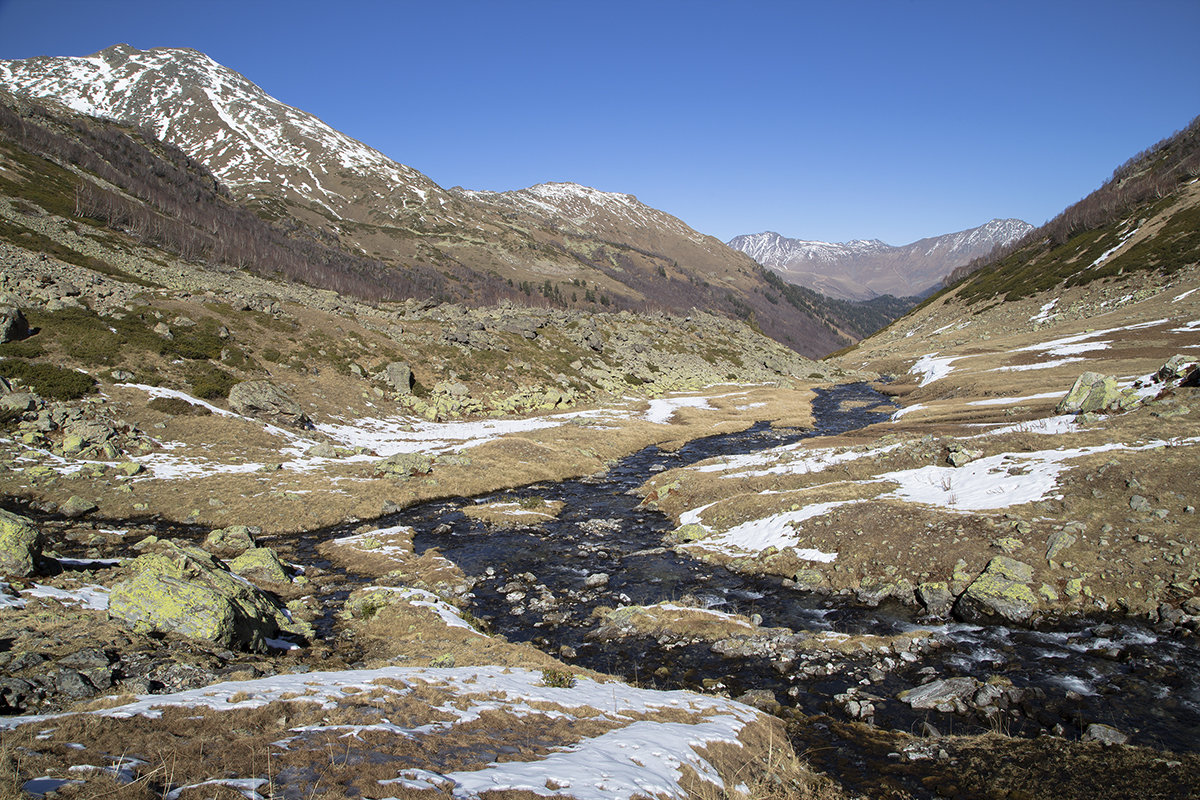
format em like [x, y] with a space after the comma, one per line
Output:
[554, 245]
[862, 269]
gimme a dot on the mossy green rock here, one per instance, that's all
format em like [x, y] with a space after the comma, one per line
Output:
[1001, 592]
[184, 590]
[260, 564]
[20, 545]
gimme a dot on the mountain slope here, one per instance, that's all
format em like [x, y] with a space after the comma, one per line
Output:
[1126, 257]
[862, 269]
[554, 244]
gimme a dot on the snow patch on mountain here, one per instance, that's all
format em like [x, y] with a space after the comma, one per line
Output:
[867, 267]
[246, 137]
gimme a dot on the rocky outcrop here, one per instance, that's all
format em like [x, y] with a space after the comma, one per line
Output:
[265, 399]
[20, 545]
[184, 590]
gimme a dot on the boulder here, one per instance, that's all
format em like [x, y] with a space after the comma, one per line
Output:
[403, 465]
[184, 590]
[234, 540]
[1058, 541]
[936, 597]
[20, 545]
[948, 695]
[1095, 392]
[1002, 592]
[13, 325]
[960, 455]
[260, 564]
[76, 507]
[20, 402]
[399, 376]
[265, 399]
[1105, 734]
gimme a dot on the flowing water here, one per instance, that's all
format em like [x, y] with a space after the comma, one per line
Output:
[533, 585]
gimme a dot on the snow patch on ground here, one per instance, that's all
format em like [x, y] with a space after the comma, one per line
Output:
[1008, 401]
[932, 367]
[777, 531]
[642, 757]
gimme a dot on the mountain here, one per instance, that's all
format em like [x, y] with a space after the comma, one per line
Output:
[862, 269]
[554, 244]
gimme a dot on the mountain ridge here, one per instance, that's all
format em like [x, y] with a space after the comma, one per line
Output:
[860, 269]
[574, 245]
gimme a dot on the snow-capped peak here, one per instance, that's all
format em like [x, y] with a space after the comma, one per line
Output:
[248, 139]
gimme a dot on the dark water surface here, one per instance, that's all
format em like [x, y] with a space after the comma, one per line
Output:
[532, 586]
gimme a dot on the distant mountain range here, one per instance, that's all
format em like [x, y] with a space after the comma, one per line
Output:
[862, 269]
[551, 244]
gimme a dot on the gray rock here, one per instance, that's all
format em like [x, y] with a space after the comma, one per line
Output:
[403, 465]
[20, 545]
[936, 597]
[13, 325]
[1058, 541]
[1139, 503]
[265, 399]
[596, 580]
[399, 376]
[961, 456]
[184, 590]
[1002, 591]
[20, 402]
[163, 330]
[76, 507]
[234, 540]
[1105, 734]
[947, 695]
[1176, 368]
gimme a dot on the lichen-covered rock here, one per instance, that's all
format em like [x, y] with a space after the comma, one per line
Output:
[1002, 591]
[1178, 368]
[20, 545]
[936, 597]
[403, 465]
[76, 507]
[260, 564]
[231, 541]
[265, 399]
[399, 376]
[1093, 392]
[688, 533]
[1058, 541]
[184, 590]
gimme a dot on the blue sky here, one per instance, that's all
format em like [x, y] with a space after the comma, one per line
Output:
[833, 120]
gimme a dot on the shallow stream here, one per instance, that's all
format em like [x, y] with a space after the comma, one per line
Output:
[533, 585]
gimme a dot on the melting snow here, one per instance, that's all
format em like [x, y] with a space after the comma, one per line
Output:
[933, 367]
[778, 531]
[644, 757]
